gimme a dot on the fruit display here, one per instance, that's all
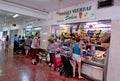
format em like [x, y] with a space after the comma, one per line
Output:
[102, 34]
[66, 35]
[82, 34]
[96, 36]
[105, 38]
[76, 35]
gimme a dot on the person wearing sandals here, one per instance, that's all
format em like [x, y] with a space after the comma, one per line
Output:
[35, 47]
[76, 52]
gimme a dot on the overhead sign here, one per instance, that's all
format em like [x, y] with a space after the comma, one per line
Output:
[79, 12]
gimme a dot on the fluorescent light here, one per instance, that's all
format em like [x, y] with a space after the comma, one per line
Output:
[91, 23]
[64, 25]
[16, 15]
[29, 26]
[37, 28]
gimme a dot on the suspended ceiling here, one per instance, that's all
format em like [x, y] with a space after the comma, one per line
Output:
[46, 5]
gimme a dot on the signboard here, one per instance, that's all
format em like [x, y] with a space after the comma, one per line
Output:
[76, 13]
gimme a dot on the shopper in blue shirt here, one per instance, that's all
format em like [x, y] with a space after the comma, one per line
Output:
[76, 56]
[16, 44]
[16, 38]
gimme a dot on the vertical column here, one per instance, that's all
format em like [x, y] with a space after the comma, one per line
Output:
[113, 73]
[20, 31]
[44, 33]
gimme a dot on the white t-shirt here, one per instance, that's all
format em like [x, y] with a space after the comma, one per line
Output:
[38, 42]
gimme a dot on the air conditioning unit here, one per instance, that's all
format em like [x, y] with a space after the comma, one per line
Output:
[105, 3]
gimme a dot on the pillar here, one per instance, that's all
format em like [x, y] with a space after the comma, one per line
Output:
[44, 36]
[113, 73]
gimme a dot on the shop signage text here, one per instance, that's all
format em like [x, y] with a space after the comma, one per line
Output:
[71, 17]
[73, 14]
[77, 10]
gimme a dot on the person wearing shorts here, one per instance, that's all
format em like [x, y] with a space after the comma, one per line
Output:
[76, 56]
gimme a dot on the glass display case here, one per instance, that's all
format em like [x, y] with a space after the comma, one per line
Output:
[95, 54]
[94, 63]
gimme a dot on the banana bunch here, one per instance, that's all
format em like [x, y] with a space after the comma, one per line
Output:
[82, 34]
[66, 35]
[102, 35]
[94, 36]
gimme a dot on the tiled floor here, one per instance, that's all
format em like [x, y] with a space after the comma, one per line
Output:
[19, 68]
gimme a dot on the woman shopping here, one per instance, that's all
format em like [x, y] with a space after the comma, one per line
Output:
[76, 52]
[51, 47]
[35, 47]
[7, 41]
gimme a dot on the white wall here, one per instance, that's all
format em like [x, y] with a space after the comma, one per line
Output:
[108, 13]
[117, 2]
[114, 56]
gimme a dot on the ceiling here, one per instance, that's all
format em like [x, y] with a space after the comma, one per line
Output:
[7, 17]
[40, 5]
[46, 5]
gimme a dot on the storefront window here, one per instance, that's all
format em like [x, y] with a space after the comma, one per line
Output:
[28, 32]
[31, 31]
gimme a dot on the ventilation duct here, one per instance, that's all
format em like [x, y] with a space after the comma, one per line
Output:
[105, 3]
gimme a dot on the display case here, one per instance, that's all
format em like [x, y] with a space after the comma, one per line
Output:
[94, 63]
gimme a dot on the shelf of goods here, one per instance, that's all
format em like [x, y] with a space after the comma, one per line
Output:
[96, 36]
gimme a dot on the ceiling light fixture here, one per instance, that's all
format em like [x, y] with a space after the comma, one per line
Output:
[16, 15]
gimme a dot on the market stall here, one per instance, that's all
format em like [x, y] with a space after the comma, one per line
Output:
[96, 40]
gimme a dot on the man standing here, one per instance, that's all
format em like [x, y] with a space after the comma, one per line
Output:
[16, 44]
